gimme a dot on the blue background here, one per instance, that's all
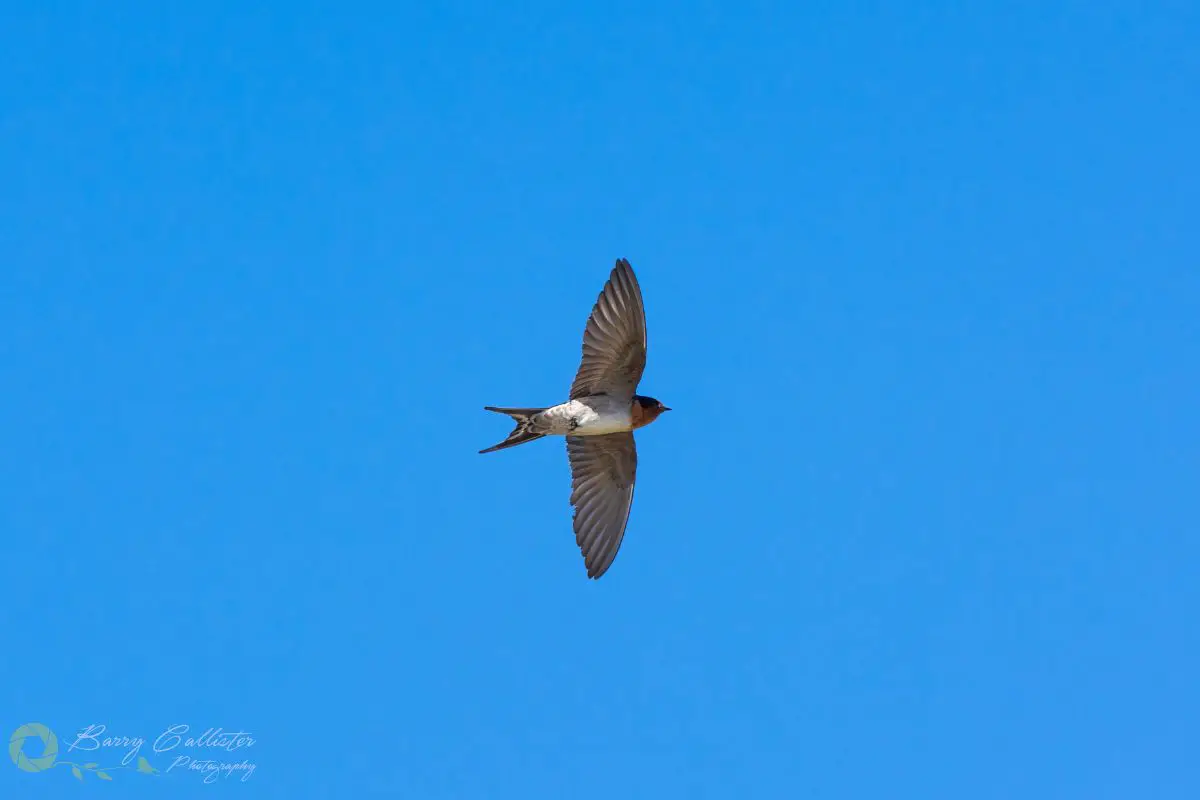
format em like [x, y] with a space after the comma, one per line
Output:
[922, 286]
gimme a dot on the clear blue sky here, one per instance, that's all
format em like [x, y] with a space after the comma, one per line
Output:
[922, 285]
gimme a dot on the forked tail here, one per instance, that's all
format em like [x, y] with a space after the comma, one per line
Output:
[524, 431]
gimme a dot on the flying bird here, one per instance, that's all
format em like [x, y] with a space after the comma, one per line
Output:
[599, 418]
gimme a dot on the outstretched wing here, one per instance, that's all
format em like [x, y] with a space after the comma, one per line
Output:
[614, 341]
[603, 471]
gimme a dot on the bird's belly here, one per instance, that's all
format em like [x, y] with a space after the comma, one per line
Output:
[576, 418]
[599, 424]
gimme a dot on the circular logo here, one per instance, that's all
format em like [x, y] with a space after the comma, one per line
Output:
[16, 747]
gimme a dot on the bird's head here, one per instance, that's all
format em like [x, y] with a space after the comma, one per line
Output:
[646, 410]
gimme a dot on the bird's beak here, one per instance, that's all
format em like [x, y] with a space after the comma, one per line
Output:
[666, 409]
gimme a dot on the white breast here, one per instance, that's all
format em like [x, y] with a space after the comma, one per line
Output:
[597, 419]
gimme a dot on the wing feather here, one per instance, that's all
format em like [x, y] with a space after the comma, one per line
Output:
[614, 341]
[603, 473]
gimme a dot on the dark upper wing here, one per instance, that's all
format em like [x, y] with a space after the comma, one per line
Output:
[614, 342]
[603, 470]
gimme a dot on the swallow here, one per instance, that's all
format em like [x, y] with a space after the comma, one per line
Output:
[599, 418]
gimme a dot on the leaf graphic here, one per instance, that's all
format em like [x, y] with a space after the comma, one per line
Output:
[75, 771]
[104, 776]
[144, 765]
[91, 765]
